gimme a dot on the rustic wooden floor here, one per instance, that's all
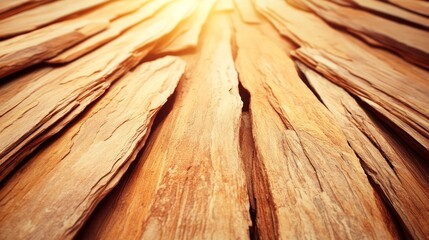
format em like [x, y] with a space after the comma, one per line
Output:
[214, 119]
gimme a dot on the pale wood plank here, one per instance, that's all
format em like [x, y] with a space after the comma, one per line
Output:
[187, 34]
[117, 28]
[25, 50]
[43, 15]
[57, 190]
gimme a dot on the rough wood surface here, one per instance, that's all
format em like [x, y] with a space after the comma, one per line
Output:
[115, 29]
[390, 10]
[28, 49]
[48, 103]
[193, 168]
[9, 8]
[186, 35]
[30, 20]
[409, 42]
[420, 7]
[314, 181]
[394, 169]
[393, 87]
[93, 154]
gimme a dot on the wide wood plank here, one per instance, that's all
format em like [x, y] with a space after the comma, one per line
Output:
[189, 182]
[313, 185]
[57, 190]
[398, 172]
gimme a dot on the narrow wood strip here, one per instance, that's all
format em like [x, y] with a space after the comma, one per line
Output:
[189, 182]
[53, 195]
[420, 7]
[115, 29]
[187, 34]
[45, 105]
[393, 11]
[398, 172]
[316, 185]
[9, 8]
[32, 19]
[34, 47]
[409, 42]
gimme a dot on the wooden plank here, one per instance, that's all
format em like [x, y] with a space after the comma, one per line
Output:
[247, 11]
[117, 28]
[187, 34]
[42, 200]
[25, 50]
[30, 20]
[189, 182]
[9, 8]
[420, 7]
[409, 42]
[48, 103]
[393, 11]
[313, 185]
[394, 88]
[397, 171]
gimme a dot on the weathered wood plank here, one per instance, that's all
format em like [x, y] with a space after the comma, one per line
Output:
[28, 49]
[187, 34]
[47, 104]
[116, 28]
[9, 8]
[399, 91]
[312, 183]
[189, 182]
[394, 169]
[43, 15]
[411, 43]
[420, 7]
[57, 190]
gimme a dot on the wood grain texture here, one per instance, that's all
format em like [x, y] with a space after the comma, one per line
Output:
[93, 154]
[116, 28]
[9, 8]
[394, 169]
[187, 34]
[420, 7]
[30, 20]
[394, 88]
[409, 42]
[390, 10]
[313, 180]
[189, 182]
[28, 49]
[45, 105]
